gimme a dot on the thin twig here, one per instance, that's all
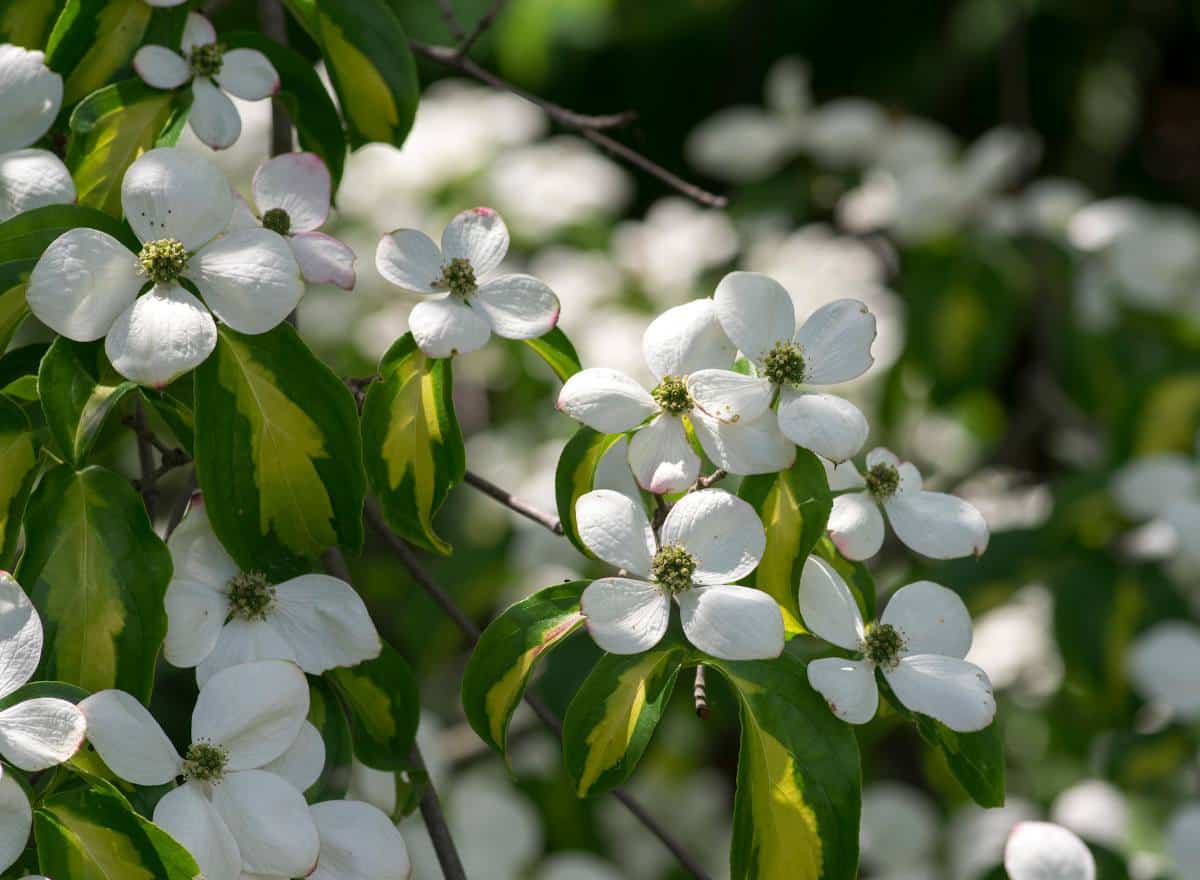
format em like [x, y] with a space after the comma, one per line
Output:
[700, 693]
[451, 18]
[512, 502]
[482, 25]
[715, 477]
[273, 24]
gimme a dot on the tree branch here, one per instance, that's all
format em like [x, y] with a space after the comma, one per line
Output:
[451, 18]
[148, 483]
[512, 502]
[485, 22]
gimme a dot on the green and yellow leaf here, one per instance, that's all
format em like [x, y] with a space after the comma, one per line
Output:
[558, 352]
[19, 454]
[575, 475]
[384, 706]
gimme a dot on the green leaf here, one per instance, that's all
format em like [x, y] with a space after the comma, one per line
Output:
[558, 352]
[19, 454]
[799, 783]
[614, 713]
[36, 690]
[278, 454]
[326, 715]
[370, 64]
[12, 308]
[78, 389]
[794, 507]
[177, 415]
[575, 475]
[21, 363]
[97, 573]
[24, 237]
[384, 705]
[412, 444]
[498, 672]
[27, 22]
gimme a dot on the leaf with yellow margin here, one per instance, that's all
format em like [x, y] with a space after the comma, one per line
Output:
[19, 453]
[384, 705]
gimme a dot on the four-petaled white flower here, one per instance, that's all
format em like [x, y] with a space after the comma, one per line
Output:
[34, 734]
[233, 812]
[212, 70]
[934, 524]
[1045, 851]
[831, 347]
[86, 284]
[219, 616]
[709, 540]
[678, 343]
[469, 310]
[918, 644]
[30, 96]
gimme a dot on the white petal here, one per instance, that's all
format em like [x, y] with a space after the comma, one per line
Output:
[82, 282]
[836, 342]
[196, 602]
[247, 74]
[826, 424]
[1045, 851]
[1183, 516]
[1162, 666]
[158, 66]
[323, 259]
[20, 636]
[745, 447]
[755, 311]
[30, 95]
[33, 179]
[214, 118]
[615, 528]
[685, 339]
[730, 396]
[879, 455]
[165, 333]
[243, 216]
[270, 822]
[931, 618]
[301, 765]
[856, 526]
[661, 457]
[721, 530]
[253, 710]
[188, 816]
[375, 787]
[1145, 486]
[446, 327]
[606, 400]
[625, 616]
[16, 818]
[518, 306]
[325, 622]
[244, 641]
[848, 686]
[478, 236]
[731, 622]
[910, 479]
[128, 739]
[297, 183]
[827, 605]
[169, 193]
[938, 525]
[843, 476]
[40, 733]
[409, 259]
[1183, 839]
[198, 31]
[953, 691]
[358, 842]
[249, 279]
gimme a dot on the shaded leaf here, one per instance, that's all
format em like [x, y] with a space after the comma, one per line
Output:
[79, 389]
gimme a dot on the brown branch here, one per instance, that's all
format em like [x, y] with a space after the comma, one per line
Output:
[706, 482]
[273, 24]
[451, 18]
[700, 693]
[482, 25]
[512, 502]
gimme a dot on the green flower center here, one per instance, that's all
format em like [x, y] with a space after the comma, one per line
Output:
[458, 276]
[882, 645]
[277, 220]
[163, 260]
[672, 395]
[206, 60]
[205, 762]
[784, 365]
[251, 596]
[673, 567]
[883, 481]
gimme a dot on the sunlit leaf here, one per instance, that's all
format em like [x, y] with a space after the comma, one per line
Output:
[575, 476]
[19, 454]
[384, 706]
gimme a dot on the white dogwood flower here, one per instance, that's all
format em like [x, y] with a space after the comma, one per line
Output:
[1183, 840]
[831, 347]
[358, 842]
[1165, 488]
[1045, 851]
[918, 644]
[30, 97]
[678, 343]
[219, 616]
[16, 819]
[934, 524]
[709, 540]
[212, 70]
[86, 284]
[232, 812]
[1162, 664]
[467, 310]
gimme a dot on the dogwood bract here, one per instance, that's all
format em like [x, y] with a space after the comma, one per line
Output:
[219, 616]
[1045, 851]
[230, 813]
[358, 842]
[679, 342]
[934, 524]
[212, 70]
[831, 347]
[30, 97]
[469, 309]
[709, 540]
[918, 644]
[86, 284]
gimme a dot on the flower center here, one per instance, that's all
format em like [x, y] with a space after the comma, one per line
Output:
[163, 260]
[277, 220]
[251, 596]
[205, 762]
[784, 365]
[206, 60]
[883, 480]
[882, 645]
[672, 395]
[458, 276]
[673, 567]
